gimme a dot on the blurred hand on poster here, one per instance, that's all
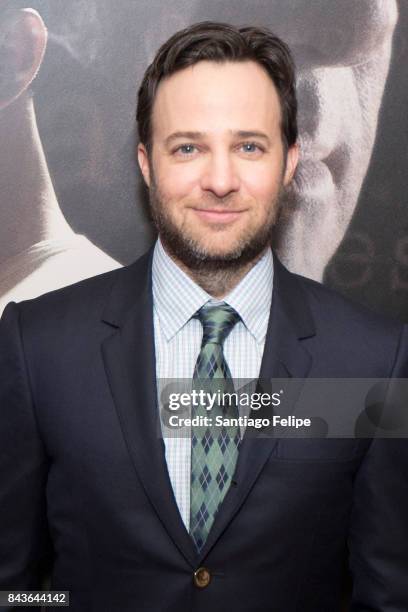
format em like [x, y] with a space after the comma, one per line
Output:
[38, 249]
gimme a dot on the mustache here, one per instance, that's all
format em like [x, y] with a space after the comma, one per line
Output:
[230, 202]
[207, 201]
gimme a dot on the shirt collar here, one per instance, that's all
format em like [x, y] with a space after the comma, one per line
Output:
[177, 297]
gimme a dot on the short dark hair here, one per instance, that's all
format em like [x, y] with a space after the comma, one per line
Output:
[221, 42]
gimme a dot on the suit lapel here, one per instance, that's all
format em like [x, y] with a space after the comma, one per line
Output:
[284, 356]
[130, 367]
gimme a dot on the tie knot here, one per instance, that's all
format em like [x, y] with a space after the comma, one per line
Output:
[217, 322]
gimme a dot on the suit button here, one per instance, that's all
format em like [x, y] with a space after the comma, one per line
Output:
[202, 577]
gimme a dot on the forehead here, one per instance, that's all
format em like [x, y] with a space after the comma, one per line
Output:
[218, 95]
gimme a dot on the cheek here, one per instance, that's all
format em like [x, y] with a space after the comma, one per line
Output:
[262, 185]
[177, 181]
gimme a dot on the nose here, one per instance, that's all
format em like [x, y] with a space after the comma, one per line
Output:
[320, 129]
[220, 175]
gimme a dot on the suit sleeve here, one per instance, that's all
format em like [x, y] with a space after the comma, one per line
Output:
[25, 548]
[378, 536]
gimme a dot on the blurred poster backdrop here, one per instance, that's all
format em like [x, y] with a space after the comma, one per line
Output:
[72, 202]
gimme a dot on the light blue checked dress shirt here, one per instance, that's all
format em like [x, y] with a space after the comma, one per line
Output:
[176, 298]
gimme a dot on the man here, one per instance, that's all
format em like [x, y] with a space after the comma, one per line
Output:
[39, 251]
[130, 519]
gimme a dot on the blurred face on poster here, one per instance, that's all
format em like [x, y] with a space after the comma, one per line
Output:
[343, 54]
[342, 50]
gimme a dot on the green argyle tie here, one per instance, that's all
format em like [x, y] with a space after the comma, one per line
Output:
[214, 450]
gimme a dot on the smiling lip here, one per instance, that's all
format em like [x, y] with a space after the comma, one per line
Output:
[218, 216]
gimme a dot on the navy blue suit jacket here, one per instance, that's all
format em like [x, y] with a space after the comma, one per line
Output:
[84, 487]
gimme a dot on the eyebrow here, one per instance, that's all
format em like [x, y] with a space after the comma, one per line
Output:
[188, 135]
[197, 135]
[251, 134]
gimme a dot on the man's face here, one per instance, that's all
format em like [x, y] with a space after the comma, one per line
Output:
[217, 164]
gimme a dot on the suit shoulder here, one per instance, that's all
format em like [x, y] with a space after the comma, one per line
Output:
[345, 316]
[365, 343]
[83, 299]
[90, 289]
[335, 304]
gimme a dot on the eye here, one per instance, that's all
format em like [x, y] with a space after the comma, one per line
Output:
[185, 149]
[250, 147]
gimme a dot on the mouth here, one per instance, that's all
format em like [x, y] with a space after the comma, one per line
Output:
[218, 216]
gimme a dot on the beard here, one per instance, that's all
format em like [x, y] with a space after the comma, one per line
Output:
[195, 256]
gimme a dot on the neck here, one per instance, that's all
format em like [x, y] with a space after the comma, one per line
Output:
[218, 283]
[29, 211]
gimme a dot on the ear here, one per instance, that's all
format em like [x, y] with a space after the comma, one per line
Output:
[23, 40]
[292, 159]
[143, 159]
